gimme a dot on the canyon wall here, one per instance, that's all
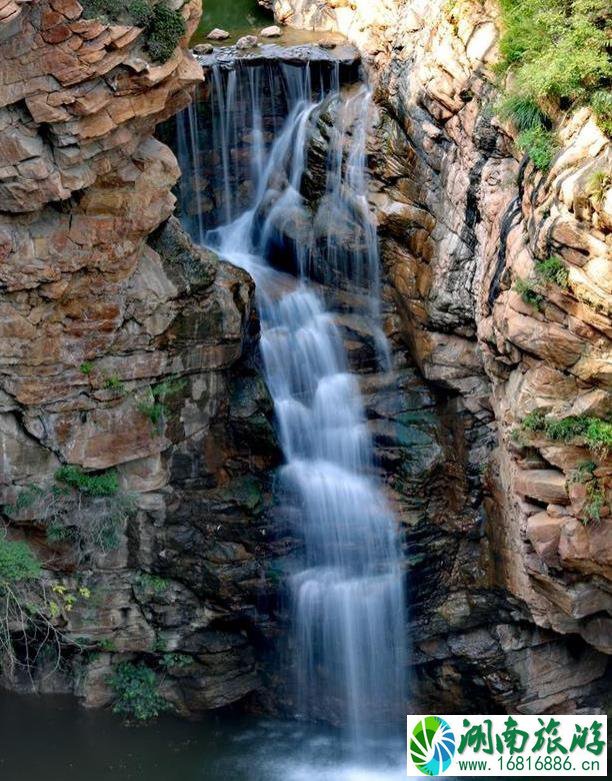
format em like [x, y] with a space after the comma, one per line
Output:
[135, 436]
[464, 220]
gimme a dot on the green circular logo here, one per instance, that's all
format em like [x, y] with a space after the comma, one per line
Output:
[432, 745]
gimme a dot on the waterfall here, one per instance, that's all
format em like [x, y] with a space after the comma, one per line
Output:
[346, 593]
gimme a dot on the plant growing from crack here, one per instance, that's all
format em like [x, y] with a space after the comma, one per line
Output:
[32, 609]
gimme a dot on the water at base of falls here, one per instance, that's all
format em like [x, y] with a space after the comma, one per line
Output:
[346, 592]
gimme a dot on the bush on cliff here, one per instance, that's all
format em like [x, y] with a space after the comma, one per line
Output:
[163, 26]
[137, 695]
[558, 52]
[596, 432]
[30, 607]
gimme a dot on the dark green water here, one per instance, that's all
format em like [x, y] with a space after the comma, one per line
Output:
[51, 739]
[238, 17]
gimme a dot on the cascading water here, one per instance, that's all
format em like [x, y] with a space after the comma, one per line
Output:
[347, 598]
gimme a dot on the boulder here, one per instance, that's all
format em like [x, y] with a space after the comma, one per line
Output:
[274, 31]
[545, 485]
[247, 42]
[544, 531]
[218, 35]
[203, 48]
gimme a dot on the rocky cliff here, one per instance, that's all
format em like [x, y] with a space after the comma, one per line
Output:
[135, 441]
[500, 275]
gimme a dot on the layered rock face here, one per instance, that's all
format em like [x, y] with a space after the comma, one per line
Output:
[463, 222]
[126, 353]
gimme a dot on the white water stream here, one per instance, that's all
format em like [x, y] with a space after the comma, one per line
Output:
[347, 597]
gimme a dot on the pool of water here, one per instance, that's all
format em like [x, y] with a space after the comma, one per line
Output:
[238, 17]
[52, 738]
[244, 17]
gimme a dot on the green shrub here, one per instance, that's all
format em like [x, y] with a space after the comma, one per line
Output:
[596, 432]
[558, 52]
[526, 290]
[534, 421]
[596, 501]
[175, 660]
[164, 31]
[153, 410]
[103, 484]
[153, 582]
[107, 9]
[598, 184]
[140, 12]
[539, 144]
[155, 407]
[584, 472]
[86, 368]
[553, 270]
[136, 689]
[523, 112]
[114, 383]
[163, 27]
[17, 562]
[601, 103]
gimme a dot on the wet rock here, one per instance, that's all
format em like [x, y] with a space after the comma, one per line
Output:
[247, 42]
[218, 35]
[203, 48]
[274, 31]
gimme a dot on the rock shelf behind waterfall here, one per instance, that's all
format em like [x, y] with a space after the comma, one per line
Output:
[227, 56]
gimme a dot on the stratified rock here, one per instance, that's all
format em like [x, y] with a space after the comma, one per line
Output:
[544, 532]
[460, 222]
[218, 35]
[545, 485]
[124, 346]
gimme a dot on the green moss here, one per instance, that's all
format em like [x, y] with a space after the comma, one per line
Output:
[553, 270]
[105, 9]
[528, 293]
[136, 689]
[86, 368]
[140, 12]
[17, 562]
[103, 484]
[164, 31]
